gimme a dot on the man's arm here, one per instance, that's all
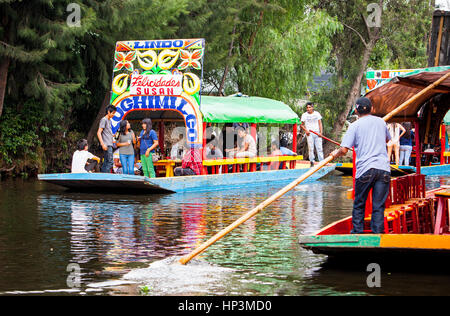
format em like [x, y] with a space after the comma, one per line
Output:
[342, 151]
[320, 127]
[245, 147]
[100, 139]
[303, 127]
[348, 142]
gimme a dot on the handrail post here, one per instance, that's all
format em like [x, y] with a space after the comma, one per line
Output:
[418, 147]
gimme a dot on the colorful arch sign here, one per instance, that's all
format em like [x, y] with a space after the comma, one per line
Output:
[160, 75]
[375, 78]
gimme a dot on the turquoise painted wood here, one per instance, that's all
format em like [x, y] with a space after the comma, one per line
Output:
[336, 241]
[119, 182]
[100, 181]
[437, 170]
[234, 180]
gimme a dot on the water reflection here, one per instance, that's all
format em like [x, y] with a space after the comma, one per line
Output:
[109, 236]
[108, 231]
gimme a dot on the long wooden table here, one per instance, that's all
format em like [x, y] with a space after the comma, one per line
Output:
[168, 164]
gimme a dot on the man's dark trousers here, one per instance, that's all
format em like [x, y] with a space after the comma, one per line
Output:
[108, 160]
[378, 180]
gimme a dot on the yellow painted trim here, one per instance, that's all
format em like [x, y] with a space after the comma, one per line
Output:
[446, 153]
[420, 241]
[220, 162]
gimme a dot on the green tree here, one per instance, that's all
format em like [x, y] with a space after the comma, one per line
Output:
[61, 74]
[119, 20]
[35, 47]
[283, 49]
[260, 47]
[398, 41]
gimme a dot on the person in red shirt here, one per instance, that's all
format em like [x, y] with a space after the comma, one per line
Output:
[191, 164]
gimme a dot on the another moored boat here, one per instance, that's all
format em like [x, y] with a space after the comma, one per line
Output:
[416, 222]
[174, 66]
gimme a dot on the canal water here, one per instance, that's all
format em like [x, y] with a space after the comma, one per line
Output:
[55, 241]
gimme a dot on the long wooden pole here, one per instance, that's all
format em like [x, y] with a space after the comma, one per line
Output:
[414, 98]
[255, 211]
[320, 165]
[330, 140]
[438, 46]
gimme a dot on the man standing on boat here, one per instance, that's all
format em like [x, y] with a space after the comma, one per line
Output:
[312, 121]
[368, 135]
[105, 137]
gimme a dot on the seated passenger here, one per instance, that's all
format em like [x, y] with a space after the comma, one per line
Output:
[237, 125]
[138, 169]
[248, 148]
[192, 162]
[286, 151]
[177, 151]
[274, 165]
[213, 152]
[117, 166]
[82, 160]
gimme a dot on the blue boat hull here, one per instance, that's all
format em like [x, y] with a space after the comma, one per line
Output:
[126, 183]
[437, 170]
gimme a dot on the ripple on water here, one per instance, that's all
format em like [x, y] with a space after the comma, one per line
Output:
[168, 276]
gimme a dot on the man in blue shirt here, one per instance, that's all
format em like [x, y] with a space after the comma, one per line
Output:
[368, 135]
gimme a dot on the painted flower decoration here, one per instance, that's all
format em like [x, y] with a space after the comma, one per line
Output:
[190, 59]
[123, 60]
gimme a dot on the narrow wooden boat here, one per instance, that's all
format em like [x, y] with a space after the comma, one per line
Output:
[388, 247]
[416, 222]
[416, 225]
[178, 100]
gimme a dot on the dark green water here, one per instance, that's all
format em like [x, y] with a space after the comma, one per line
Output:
[43, 229]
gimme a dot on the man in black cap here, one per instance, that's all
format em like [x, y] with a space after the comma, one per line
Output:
[368, 135]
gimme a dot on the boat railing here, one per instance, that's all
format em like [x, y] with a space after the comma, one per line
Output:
[236, 165]
[408, 208]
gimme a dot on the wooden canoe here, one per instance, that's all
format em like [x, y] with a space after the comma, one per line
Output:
[117, 183]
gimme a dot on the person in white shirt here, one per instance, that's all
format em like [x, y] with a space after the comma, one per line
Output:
[248, 149]
[212, 152]
[82, 160]
[312, 121]
[397, 131]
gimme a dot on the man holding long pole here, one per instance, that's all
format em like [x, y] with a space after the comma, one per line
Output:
[364, 106]
[312, 122]
[369, 135]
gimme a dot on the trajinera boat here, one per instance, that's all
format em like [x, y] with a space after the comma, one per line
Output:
[417, 222]
[162, 80]
[435, 151]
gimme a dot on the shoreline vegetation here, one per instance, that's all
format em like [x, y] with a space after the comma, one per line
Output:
[55, 76]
